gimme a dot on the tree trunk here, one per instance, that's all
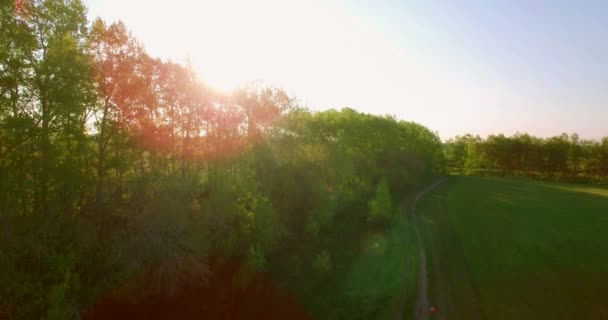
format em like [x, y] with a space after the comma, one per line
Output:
[45, 148]
[101, 170]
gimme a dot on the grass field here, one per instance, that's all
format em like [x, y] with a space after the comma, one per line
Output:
[514, 249]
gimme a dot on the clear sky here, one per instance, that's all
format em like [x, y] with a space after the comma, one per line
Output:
[454, 66]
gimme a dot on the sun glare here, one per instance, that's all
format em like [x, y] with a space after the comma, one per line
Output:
[270, 40]
[305, 47]
[262, 40]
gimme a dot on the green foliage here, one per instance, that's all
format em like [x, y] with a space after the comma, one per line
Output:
[116, 166]
[322, 263]
[556, 158]
[322, 215]
[59, 305]
[380, 207]
[255, 258]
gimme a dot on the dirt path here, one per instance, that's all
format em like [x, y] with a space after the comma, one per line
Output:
[422, 303]
[444, 279]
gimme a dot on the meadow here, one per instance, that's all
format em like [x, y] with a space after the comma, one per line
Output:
[516, 249]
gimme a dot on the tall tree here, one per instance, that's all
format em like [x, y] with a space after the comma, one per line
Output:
[115, 55]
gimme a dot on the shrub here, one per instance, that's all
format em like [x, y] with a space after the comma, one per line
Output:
[380, 207]
[322, 263]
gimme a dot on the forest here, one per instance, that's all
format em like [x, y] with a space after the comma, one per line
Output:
[562, 158]
[121, 174]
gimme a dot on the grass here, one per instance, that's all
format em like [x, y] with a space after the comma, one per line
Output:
[514, 249]
[370, 284]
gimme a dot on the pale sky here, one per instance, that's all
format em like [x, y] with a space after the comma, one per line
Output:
[456, 67]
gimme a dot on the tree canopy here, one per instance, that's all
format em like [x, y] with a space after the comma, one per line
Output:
[561, 157]
[117, 167]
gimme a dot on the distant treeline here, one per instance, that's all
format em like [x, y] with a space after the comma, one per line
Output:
[119, 170]
[559, 158]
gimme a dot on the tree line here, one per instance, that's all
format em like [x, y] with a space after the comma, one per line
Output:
[119, 167]
[564, 157]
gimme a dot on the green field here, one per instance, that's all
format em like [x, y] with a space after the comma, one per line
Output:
[513, 249]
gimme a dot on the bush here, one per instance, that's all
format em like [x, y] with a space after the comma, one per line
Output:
[380, 207]
[322, 263]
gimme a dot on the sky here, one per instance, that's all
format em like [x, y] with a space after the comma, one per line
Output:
[468, 66]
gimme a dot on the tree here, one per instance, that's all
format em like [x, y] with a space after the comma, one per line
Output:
[116, 165]
[380, 207]
[115, 57]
